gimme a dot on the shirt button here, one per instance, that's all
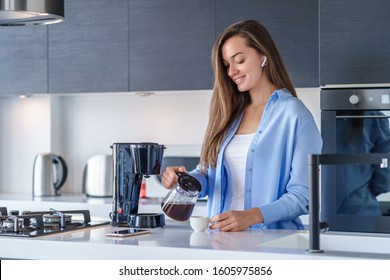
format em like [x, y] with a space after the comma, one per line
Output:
[250, 169]
[253, 150]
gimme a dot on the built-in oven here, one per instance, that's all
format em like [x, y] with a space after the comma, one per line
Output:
[355, 121]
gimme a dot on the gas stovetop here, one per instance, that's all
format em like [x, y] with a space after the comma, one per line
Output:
[40, 223]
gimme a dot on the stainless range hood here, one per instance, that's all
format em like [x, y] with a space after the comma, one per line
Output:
[31, 12]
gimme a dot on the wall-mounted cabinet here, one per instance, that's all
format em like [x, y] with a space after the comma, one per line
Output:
[170, 44]
[137, 45]
[354, 41]
[149, 45]
[88, 52]
[23, 56]
[292, 24]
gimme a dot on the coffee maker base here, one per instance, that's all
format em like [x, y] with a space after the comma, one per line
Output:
[146, 220]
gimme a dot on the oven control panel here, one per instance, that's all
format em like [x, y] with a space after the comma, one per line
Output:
[355, 99]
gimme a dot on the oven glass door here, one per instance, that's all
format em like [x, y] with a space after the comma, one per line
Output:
[361, 186]
[356, 197]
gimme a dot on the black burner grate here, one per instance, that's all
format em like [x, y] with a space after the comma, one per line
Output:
[31, 223]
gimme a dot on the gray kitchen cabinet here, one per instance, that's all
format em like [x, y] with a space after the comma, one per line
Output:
[292, 24]
[354, 41]
[23, 56]
[170, 44]
[88, 52]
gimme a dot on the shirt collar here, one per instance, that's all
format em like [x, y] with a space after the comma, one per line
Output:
[280, 94]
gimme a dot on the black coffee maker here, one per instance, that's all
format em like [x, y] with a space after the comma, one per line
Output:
[133, 161]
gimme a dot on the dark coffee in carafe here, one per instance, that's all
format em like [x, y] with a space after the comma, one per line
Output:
[180, 201]
[178, 211]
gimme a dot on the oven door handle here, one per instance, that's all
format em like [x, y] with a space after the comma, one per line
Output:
[362, 117]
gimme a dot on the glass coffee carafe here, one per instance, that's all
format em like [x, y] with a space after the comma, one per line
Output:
[179, 203]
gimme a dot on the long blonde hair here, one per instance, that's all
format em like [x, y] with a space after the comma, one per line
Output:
[227, 102]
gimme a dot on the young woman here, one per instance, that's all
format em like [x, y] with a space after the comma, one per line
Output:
[254, 159]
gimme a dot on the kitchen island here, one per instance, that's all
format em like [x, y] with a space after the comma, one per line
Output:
[178, 241]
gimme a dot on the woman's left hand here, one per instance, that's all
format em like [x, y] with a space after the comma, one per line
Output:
[236, 220]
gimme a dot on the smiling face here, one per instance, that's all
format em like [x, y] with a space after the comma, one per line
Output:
[243, 64]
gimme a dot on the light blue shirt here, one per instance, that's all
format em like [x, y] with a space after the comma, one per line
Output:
[276, 176]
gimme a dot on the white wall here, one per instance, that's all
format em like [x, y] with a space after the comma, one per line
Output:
[80, 126]
[24, 132]
[311, 98]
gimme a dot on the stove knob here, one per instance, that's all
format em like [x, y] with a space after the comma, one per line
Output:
[14, 212]
[354, 99]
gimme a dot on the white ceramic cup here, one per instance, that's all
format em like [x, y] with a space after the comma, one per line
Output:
[199, 223]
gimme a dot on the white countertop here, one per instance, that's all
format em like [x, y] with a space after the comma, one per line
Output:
[175, 241]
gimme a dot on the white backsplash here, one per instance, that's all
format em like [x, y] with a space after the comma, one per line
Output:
[83, 125]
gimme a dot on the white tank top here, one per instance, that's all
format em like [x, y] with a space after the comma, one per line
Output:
[235, 154]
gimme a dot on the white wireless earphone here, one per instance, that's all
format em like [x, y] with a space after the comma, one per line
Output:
[264, 62]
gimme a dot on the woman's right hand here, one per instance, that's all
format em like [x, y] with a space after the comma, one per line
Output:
[169, 177]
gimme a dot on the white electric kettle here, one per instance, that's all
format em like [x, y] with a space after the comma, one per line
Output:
[98, 176]
[49, 174]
